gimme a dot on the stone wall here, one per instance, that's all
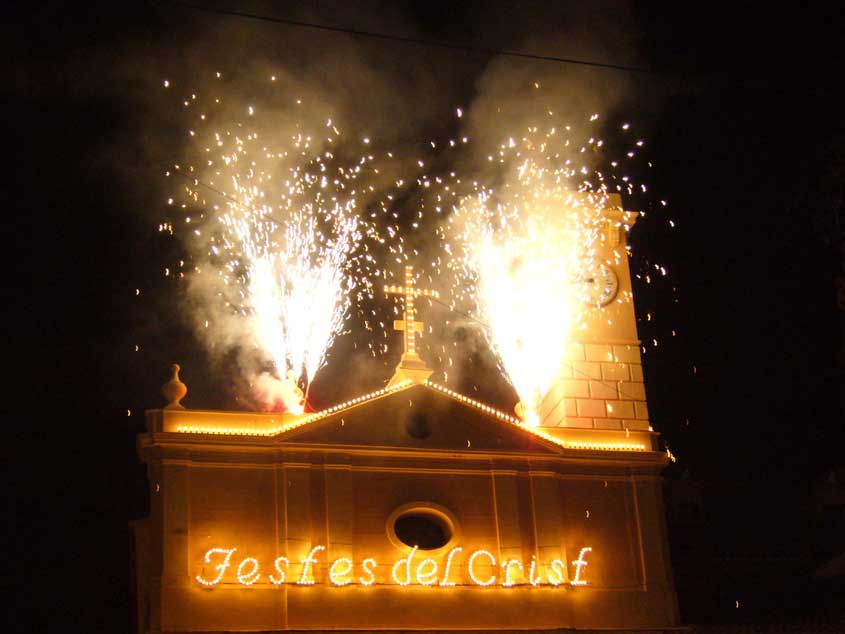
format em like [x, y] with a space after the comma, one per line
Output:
[600, 387]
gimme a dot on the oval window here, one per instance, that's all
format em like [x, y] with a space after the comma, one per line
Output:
[424, 530]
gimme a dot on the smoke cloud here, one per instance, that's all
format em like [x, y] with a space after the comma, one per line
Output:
[400, 96]
[512, 97]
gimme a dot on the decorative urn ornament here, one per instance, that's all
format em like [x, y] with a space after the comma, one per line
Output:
[174, 390]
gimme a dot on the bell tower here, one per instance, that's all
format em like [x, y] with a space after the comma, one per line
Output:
[600, 383]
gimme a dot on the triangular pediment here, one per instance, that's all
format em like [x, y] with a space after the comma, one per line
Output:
[419, 417]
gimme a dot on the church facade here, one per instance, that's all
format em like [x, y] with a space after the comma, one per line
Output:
[414, 508]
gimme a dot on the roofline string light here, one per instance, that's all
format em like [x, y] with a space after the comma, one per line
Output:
[508, 418]
[483, 407]
[303, 420]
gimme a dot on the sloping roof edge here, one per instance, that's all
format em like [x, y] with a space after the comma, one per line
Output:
[290, 423]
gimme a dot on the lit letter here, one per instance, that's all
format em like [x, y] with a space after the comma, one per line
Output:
[247, 578]
[220, 568]
[507, 566]
[472, 558]
[429, 577]
[281, 579]
[338, 570]
[407, 562]
[306, 566]
[580, 563]
[445, 581]
[368, 565]
[533, 578]
[559, 570]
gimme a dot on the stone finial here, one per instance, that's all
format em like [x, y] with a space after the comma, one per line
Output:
[174, 390]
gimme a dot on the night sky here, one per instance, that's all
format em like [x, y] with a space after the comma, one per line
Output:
[737, 103]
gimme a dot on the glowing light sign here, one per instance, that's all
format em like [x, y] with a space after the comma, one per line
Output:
[482, 569]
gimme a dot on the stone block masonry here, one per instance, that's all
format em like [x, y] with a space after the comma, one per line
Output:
[600, 386]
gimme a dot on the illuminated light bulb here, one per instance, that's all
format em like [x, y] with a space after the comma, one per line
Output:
[339, 569]
[427, 577]
[302, 421]
[220, 568]
[579, 564]
[559, 569]
[306, 566]
[508, 566]
[277, 581]
[406, 561]
[472, 558]
[248, 577]
[368, 566]
[532, 419]
[534, 578]
[445, 581]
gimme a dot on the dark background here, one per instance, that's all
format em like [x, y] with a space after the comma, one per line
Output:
[746, 133]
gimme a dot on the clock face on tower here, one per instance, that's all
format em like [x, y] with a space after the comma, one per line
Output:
[601, 285]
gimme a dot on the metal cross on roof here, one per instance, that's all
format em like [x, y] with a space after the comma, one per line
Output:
[411, 365]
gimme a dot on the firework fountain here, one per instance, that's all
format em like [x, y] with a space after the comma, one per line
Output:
[526, 256]
[278, 225]
[280, 237]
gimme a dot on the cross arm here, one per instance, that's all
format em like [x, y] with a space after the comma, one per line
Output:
[415, 326]
[410, 290]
